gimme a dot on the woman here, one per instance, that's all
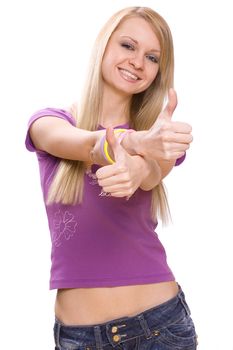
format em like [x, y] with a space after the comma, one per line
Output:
[101, 174]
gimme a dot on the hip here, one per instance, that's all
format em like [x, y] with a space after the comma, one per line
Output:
[166, 326]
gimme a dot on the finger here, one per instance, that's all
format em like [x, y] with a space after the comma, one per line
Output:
[174, 154]
[181, 127]
[177, 137]
[175, 150]
[172, 103]
[170, 106]
[113, 179]
[120, 194]
[105, 171]
[109, 171]
[117, 149]
[116, 188]
[180, 147]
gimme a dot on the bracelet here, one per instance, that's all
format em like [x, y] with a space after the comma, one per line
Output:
[105, 149]
[123, 134]
[104, 143]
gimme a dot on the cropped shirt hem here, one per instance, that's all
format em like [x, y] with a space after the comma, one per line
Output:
[109, 282]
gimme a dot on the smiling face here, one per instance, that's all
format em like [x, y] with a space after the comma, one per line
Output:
[131, 60]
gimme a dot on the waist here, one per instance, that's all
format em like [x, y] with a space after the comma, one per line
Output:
[86, 306]
[151, 323]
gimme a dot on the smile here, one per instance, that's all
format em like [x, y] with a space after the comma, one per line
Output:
[128, 75]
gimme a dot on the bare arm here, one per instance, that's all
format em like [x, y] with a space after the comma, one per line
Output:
[154, 172]
[59, 138]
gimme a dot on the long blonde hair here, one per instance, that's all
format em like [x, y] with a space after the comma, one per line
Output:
[67, 185]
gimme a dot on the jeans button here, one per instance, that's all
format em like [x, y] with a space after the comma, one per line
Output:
[156, 333]
[116, 338]
[114, 329]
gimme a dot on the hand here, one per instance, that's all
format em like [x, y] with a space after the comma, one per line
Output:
[166, 139]
[122, 178]
[96, 154]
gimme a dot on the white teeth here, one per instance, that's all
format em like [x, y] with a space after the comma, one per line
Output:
[128, 74]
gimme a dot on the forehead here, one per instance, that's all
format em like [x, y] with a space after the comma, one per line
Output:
[139, 29]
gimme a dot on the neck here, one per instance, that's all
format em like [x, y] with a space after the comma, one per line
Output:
[115, 108]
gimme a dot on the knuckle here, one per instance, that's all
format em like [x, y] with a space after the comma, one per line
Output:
[182, 154]
[128, 185]
[167, 155]
[165, 126]
[165, 137]
[127, 177]
[122, 168]
[166, 147]
[188, 127]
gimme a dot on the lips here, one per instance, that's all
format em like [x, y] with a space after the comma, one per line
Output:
[126, 74]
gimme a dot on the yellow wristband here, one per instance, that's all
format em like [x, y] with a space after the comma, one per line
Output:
[105, 148]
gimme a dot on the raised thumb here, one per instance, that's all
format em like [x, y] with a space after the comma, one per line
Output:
[170, 106]
[113, 144]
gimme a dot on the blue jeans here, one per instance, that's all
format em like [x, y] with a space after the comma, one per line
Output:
[164, 327]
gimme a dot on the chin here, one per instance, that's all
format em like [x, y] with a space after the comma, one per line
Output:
[128, 90]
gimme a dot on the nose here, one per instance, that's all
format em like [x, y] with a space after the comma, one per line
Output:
[137, 61]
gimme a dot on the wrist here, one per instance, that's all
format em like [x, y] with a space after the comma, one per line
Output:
[96, 154]
[152, 175]
[133, 144]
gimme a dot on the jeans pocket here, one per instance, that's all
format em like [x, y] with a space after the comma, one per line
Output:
[67, 344]
[180, 335]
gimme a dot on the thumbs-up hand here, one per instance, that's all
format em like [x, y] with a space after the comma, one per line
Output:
[168, 111]
[122, 178]
[166, 139]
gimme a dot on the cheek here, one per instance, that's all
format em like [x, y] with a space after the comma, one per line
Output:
[154, 73]
[108, 62]
[151, 75]
[105, 67]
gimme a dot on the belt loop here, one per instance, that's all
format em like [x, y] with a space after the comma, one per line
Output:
[144, 326]
[57, 335]
[183, 302]
[98, 338]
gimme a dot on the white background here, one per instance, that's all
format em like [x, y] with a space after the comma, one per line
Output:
[45, 46]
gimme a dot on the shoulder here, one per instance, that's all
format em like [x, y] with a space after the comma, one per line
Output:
[53, 112]
[48, 112]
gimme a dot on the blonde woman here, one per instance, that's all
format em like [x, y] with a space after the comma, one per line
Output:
[101, 174]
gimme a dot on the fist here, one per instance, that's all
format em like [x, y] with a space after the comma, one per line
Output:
[122, 178]
[167, 139]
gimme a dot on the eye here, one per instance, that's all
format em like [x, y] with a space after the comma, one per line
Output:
[153, 58]
[127, 46]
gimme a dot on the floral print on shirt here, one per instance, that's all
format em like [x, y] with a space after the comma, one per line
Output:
[64, 226]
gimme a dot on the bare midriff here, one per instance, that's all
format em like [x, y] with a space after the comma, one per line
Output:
[89, 306]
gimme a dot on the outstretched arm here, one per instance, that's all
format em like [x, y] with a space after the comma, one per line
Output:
[61, 139]
[153, 152]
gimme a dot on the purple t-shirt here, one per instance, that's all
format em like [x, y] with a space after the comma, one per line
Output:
[104, 241]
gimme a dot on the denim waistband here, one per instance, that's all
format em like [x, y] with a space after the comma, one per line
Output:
[119, 330]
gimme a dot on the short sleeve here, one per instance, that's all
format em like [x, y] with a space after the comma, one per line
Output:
[180, 160]
[53, 112]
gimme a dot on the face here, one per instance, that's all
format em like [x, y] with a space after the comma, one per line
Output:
[131, 60]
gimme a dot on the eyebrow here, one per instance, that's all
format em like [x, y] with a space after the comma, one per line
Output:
[136, 42]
